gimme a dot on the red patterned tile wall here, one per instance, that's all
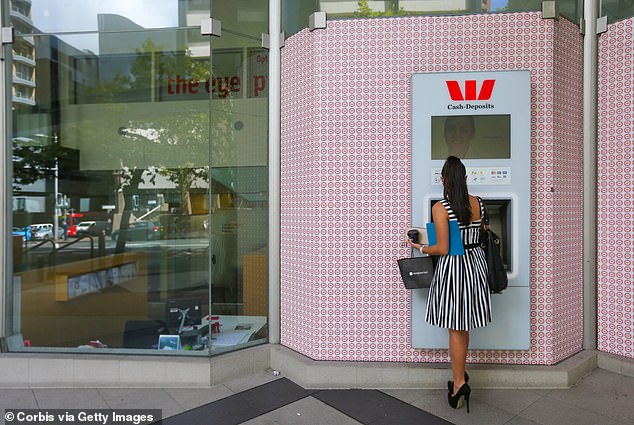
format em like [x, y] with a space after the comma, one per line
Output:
[615, 181]
[346, 178]
[566, 165]
[301, 266]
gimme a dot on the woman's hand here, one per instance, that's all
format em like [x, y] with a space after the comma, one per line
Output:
[416, 246]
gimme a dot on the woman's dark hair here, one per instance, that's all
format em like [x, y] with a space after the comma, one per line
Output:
[455, 188]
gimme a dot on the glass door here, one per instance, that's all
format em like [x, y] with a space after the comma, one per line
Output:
[239, 175]
[137, 162]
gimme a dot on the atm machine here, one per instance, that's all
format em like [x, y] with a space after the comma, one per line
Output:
[483, 118]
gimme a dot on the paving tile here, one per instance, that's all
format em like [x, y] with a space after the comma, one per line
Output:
[601, 398]
[376, 407]
[549, 410]
[513, 401]
[141, 398]
[518, 420]
[66, 398]
[606, 379]
[435, 402]
[307, 411]
[359, 404]
[245, 405]
[227, 411]
[261, 420]
[189, 398]
[614, 401]
[408, 396]
[413, 416]
[275, 394]
[17, 399]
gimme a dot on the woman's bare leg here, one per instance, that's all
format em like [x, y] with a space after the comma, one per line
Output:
[458, 347]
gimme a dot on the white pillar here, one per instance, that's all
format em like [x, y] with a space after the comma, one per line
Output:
[5, 252]
[275, 19]
[590, 55]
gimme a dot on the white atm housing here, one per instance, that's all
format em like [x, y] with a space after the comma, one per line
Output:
[498, 170]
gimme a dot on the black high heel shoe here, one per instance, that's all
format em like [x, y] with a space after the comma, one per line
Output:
[450, 383]
[455, 401]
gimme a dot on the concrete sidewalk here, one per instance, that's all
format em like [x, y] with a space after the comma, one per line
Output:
[601, 398]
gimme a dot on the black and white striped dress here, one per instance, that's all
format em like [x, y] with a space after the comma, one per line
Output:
[459, 294]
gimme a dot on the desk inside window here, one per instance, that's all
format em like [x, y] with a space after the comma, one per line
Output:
[234, 330]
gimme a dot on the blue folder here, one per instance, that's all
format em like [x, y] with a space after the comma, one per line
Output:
[456, 247]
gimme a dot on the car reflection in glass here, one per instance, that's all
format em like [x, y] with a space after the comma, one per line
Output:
[25, 232]
[92, 228]
[140, 231]
[44, 232]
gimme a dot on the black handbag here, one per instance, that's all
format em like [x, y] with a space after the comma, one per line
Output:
[490, 242]
[417, 272]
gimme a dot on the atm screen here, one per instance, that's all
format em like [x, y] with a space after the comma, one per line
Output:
[471, 136]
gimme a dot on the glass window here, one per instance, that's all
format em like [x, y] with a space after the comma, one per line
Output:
[139, 182]
[295, 13]
[23, 92]
[616, 10]
[23, 72]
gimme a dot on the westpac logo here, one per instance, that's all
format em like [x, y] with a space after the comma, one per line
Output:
[470, 90]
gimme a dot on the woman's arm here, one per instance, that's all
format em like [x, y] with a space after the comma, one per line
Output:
[441, 223]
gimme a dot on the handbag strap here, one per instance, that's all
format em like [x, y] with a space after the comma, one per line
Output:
[485, 214]
[484, 223]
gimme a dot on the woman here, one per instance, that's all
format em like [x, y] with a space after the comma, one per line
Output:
[459, 297]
